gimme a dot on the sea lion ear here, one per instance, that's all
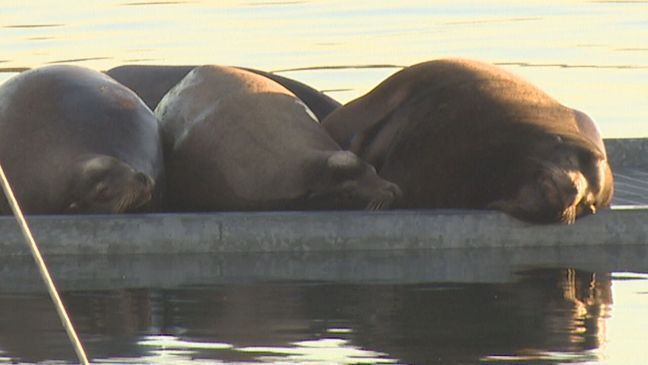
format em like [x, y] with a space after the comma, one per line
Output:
[96, 163]
[343, 161]
[344, 165]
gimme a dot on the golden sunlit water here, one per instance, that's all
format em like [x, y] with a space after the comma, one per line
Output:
[590, 55]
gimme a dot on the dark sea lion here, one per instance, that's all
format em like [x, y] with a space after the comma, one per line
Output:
[151, 82]
[464, 134]
[72, 140]
[237, 141]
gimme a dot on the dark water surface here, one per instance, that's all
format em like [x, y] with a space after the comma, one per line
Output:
[496, 306]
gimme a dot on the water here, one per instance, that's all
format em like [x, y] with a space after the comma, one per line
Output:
[494, 307]
[591, 55]
[471, 306]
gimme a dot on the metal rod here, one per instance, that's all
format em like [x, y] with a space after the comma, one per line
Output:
[49, 283]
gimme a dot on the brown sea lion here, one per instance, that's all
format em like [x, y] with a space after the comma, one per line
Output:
[151, 82]
[235, 140]
[463, 134]
[72, 140]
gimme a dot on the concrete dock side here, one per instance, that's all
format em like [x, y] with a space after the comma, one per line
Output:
[315, 231]
[625, 224]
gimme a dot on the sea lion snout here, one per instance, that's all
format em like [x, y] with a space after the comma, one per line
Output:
[385, 196]
[558, 194]
[147, 186]
[145, 181]
[566, 193]
[135, 194]
[364, 187]
[104, 184]
[583, 178]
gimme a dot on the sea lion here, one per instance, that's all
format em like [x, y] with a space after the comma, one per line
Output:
[151, 82]
[72, 140]
[238, 141]
[464, 134]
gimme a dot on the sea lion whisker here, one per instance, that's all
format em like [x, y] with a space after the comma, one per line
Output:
[129, 201]
[376, 204]
[569, 215]
[121, 206]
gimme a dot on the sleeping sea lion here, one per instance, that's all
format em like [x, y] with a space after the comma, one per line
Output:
[238, 141]
[463, 134]
[72, 140]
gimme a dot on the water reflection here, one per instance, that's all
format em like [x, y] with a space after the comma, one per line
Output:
[546, 311]
[548, 315]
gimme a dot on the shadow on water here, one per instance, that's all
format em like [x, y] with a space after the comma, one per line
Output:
[270, 309]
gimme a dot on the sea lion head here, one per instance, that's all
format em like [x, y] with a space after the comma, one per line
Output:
[347, 182]
[572, 178]
[104, 184]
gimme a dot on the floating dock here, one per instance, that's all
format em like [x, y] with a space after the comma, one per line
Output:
[625, 224]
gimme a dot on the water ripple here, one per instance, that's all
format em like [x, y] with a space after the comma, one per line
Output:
[128, 60]
[512, 63]
[620, 1]
[271, 3]
[566, 65]
[144, 3]
[33, 25]
[336, 90]
[80, 59]
[13, 69]
[489, 21]
[339, 67]
[40, 38]
[632, 49]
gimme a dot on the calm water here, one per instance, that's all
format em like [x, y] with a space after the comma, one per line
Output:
[490, 306]
[591, 55]
[428, 308]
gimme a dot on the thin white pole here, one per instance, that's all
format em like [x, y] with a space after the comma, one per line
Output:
[29, 239]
